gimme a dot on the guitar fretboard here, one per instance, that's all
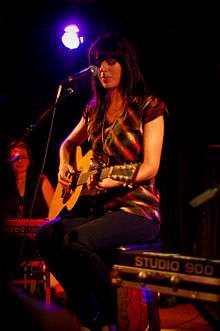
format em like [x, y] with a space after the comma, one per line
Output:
[123, 173]
[83, 177]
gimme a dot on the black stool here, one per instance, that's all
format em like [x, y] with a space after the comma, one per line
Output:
[145, 301]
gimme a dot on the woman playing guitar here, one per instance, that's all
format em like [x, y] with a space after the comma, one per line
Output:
[124, 124]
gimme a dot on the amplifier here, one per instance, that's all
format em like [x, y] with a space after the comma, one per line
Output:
[186, 276]
[23, 226]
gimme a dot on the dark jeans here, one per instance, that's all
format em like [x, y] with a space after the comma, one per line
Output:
[77, 250]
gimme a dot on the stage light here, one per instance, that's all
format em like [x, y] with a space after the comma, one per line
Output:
[71, 38]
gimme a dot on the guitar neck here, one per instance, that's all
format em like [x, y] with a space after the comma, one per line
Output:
[83, 176]
[122, 173]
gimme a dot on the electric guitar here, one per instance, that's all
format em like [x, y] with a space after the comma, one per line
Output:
[67, 196]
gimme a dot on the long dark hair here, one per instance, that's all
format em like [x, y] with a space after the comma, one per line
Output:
[116, 46]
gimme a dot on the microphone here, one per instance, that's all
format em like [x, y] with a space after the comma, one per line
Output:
[93, 70]
[14, 158]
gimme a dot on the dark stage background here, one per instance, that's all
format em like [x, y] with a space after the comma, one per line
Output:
[178, 51]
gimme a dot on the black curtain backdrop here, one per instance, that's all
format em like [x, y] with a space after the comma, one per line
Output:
[178, 51]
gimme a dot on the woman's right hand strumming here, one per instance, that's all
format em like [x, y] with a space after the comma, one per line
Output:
[65, 174]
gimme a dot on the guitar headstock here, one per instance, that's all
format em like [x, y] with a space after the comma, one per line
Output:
[123, 173]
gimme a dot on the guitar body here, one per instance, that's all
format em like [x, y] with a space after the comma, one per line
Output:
[69, 198]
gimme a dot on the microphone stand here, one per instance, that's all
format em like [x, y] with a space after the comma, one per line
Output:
[32, 127]
[53, 110]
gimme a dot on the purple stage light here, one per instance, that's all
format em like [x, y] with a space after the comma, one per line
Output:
[71, 38]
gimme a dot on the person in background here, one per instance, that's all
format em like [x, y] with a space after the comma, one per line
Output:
[18, 305]
[124, 125]
[20, 198]
[22, 179]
